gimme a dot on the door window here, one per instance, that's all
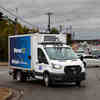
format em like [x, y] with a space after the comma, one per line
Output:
[42, 57]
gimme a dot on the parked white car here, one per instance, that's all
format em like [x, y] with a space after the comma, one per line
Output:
[91, 61]
[81, 53]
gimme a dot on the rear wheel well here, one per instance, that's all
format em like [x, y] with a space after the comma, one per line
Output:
[15, 72]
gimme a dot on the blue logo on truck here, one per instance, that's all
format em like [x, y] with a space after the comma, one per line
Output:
[40, 67]
[20, 50]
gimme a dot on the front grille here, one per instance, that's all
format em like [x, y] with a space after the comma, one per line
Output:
[72, 70]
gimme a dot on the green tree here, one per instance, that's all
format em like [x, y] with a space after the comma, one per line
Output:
[35, 30]
[25, 30]
[54, 31]
[1, 16]
[69, 38]
[7, 27]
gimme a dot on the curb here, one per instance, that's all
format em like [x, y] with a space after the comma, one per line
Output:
[9, 95]
[3, 64]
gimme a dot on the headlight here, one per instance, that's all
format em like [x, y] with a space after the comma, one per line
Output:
[54, 66]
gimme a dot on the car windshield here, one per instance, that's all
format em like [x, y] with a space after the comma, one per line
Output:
[61, 53]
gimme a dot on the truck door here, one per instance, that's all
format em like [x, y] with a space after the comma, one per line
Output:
[42, 61]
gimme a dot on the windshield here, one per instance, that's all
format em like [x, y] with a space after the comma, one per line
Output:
[61, 53]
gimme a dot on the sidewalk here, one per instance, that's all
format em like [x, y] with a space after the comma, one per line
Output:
[3, 63]
[5, 93]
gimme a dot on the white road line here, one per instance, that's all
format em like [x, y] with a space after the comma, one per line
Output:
[3, 72]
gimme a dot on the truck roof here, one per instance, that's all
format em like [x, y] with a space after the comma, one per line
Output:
[56, 46]
[20, 35]
[45, 38]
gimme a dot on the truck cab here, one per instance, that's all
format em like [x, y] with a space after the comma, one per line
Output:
[59, 64]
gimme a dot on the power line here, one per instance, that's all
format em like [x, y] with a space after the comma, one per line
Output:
[8, 11]
[16, 16]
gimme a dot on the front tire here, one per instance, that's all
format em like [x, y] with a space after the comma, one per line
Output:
[47, 80]
[78, 83]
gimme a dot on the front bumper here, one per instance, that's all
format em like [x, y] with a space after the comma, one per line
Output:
[68, 78]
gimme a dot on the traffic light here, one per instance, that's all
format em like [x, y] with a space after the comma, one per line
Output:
[1, 16]
[69, 38]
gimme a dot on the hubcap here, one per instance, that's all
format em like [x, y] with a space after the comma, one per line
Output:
[46, 79]
[18, 76]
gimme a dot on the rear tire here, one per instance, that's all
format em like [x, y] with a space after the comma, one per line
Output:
[19, 76]
[14, 76]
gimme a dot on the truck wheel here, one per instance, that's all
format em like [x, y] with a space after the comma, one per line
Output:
[14, 76]
[78, 83]
[19, 76]
[47, 81]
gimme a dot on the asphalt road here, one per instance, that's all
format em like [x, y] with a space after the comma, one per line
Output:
[33, 90]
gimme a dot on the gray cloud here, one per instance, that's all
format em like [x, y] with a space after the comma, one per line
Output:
[82, 14]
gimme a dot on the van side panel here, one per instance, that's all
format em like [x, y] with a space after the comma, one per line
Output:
[20, 51]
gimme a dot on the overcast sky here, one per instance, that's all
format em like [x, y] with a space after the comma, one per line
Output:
[83, 15]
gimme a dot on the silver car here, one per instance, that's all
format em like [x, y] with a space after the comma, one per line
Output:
[91, 61]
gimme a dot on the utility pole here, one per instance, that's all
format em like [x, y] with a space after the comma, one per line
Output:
[1, 16]
[16, 20]
[69, 35]
[60, 28]
[49, 15]
[73, 36]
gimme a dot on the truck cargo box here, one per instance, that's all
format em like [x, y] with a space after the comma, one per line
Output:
[20, 51]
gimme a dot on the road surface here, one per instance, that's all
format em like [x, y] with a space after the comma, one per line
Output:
[33, 90]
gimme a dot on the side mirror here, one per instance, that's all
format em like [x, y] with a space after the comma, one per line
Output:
[81, 58]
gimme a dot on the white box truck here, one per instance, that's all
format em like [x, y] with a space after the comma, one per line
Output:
[45, 57]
